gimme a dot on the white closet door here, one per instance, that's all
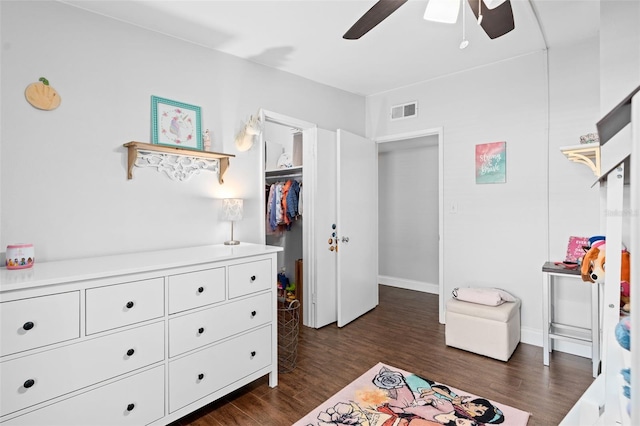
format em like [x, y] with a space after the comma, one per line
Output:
[357, 220]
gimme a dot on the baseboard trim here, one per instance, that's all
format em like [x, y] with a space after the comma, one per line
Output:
[408, 284]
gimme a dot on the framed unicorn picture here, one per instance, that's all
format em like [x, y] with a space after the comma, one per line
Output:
[175, 124]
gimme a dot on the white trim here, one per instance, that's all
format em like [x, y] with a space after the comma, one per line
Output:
[278, 118]
[409, 135]
[408, 284]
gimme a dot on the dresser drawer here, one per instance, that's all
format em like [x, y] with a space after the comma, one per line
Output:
[124, 304]
[195, 289]
[39, 321]
[136, 400]
[204, 372]
[201, 328]
[247, 278]
[36, 378]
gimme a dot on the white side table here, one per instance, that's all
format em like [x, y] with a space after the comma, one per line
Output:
[553, 330]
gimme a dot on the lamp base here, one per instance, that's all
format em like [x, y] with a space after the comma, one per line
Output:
[231, 243]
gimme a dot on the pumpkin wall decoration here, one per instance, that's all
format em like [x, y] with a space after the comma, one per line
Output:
[42, 96]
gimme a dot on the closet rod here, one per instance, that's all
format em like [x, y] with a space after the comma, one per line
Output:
[277, 177]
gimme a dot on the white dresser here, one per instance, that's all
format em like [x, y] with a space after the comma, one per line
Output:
[135, 339]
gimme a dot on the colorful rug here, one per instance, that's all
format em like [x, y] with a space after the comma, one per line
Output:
[389, 396]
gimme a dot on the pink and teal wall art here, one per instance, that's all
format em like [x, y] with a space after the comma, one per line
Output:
[491, 162]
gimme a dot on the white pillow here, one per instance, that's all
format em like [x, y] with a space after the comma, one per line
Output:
[482, 295]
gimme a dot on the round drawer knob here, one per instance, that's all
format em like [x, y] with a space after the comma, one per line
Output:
[253, 353]
[200, 376]
[200, 289]
[29, 383]
[253, 313]
[130, 304]
[28, 325]
[130, 407]
[201, 330]
[130, 352]
[253, 278]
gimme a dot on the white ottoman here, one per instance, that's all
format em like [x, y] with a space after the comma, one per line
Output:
[493, 331]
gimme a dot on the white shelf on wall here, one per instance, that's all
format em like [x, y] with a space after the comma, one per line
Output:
[178, 163]
[587, 154]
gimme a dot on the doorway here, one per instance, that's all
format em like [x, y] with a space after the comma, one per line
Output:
[280, 134]
[411, 212]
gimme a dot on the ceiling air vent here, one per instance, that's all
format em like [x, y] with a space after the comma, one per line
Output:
[404, 111]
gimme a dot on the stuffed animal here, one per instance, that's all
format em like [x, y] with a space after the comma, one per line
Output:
[592, 264]
[623, 333]
[625, 293]
[592, 268]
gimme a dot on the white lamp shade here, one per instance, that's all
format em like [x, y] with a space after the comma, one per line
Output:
[232, 208]
[445, 11]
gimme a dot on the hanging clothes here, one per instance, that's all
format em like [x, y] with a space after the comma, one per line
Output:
[283, 205]
[292, 200]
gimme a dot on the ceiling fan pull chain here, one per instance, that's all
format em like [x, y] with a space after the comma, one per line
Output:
[479, 12]
[464, 43]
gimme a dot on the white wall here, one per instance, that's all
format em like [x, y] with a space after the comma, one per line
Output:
[64, 186]
[620, 51]
[500, 233]
[573, 204]
[408, 215]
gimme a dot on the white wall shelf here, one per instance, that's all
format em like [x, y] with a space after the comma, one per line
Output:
[587, 154]
[178, 163]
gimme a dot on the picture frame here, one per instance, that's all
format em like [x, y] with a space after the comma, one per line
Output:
[175, 124]
[491, 163]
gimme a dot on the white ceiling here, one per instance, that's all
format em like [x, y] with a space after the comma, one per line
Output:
[304, 37]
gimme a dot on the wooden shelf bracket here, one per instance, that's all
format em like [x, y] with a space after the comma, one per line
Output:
[178, 163]
[587, 154]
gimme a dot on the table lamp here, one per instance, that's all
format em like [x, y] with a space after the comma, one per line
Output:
[232, 210]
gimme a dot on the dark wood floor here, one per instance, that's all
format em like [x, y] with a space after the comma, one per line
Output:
[403, 331]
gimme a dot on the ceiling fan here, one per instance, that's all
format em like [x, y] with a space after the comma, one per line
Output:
[495, 18]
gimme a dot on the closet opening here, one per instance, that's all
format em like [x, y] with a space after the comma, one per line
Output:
[284, 223]
[284, 213]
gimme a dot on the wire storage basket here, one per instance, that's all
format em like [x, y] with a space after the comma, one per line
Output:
[288, 328]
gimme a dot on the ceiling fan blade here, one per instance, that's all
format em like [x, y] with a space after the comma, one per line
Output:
[378, 13]
[495, 22]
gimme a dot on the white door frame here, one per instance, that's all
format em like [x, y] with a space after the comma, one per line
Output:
[437, 131]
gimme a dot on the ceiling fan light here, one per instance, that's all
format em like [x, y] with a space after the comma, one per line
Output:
[492, 4]
[445, 11]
